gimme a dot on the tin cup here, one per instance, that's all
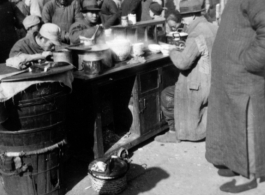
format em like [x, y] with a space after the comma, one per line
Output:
[124, 21]
[137, 49]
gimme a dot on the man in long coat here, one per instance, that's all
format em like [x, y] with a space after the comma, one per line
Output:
[236, 114]
[185, 104]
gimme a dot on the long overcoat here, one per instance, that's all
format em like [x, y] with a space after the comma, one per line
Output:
[238, 62]
[193, 85]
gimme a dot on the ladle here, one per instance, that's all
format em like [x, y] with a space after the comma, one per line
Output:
[90, 41]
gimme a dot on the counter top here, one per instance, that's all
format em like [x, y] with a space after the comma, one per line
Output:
[122, 69]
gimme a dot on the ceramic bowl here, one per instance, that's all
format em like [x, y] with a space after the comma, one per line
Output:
[154, 48]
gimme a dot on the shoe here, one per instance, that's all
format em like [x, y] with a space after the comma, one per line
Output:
[232, 188]
[220, 166]
[226, 172]
[168, 137]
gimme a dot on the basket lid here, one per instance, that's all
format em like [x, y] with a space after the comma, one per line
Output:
[115, 167]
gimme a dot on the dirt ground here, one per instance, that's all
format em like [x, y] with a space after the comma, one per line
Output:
[169, 169]
[157, 169]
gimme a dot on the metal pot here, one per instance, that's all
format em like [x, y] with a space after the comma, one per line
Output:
[62, 56]
[84, 57]
[92, 67]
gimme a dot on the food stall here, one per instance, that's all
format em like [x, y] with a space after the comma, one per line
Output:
[124, 99]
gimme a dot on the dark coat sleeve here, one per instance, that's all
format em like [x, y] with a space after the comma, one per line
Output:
[130, 7]
[253, 56]
[110, 13]
[19, 17]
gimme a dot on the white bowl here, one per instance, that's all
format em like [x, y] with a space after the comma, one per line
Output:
[154, 48]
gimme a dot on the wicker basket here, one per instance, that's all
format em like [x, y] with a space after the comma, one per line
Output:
[111, 187]
[109, 184]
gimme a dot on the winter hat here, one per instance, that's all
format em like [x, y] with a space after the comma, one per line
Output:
[156, 8]
[89, 5]
[191, 6]
[30, 21]
[51, 32]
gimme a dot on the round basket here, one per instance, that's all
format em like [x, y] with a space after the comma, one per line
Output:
[109, 186]
[112, 183]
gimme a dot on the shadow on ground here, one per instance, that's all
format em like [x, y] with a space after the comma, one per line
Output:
[142, 179]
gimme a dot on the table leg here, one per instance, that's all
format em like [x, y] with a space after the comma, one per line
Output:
[98, 147]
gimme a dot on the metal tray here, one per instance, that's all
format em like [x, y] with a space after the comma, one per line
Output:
[36, 75]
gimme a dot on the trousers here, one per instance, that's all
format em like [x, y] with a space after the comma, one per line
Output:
[167, 106]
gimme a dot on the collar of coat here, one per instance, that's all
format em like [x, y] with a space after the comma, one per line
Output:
[194, 23]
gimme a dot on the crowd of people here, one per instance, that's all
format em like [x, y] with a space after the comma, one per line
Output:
[219, 94]
[21, 18]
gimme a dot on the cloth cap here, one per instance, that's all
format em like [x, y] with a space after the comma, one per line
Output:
[51, 32]
[30, 21]
[191, 6]
[89, 5]
[156, 8]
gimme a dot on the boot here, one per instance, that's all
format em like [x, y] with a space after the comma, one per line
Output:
[168, 137]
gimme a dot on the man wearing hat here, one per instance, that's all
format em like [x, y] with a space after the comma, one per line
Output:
[39, 44]
[185, 104]
[155, 11]
[88, 26]
[32, 24]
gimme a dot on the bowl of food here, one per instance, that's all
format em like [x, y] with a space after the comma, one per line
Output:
[154, 48]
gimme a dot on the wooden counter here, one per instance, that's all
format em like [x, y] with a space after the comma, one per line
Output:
[141, 85]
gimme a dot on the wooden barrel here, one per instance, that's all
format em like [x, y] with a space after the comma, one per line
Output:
[33, 139]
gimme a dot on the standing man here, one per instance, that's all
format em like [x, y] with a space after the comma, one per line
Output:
[132, 7]
[63, 13]
[36, 6]
[88, 26]
[185, 104]
[236, 125]
[111, 13]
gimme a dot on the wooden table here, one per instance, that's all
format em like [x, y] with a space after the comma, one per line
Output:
[144, 83]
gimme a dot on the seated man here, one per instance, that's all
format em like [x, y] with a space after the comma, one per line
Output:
[185, 104]
[173, 23]
[63, 13]
[32, 24]
[155, 12]
[38, 45]
[88, 26]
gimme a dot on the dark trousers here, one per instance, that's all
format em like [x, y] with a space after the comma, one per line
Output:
[167, 105]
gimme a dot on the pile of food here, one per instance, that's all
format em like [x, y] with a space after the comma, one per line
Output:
[136, 60]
